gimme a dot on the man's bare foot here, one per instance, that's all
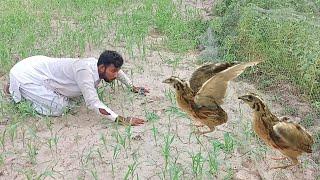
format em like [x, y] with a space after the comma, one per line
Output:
[6, 89]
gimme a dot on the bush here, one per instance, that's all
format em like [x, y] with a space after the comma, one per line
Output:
[285, 34]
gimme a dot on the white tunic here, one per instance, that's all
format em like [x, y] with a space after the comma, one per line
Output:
[69, 77]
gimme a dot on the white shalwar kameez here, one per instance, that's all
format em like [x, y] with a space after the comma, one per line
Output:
[49, 82]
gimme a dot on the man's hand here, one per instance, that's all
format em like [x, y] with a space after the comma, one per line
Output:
[136, 121]
[103, 111]
[130, 121]
[140, 90]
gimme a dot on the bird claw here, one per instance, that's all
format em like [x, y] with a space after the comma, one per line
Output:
[142, 91]
[199, 125]
[278, 158]
[198, 132]
[295, 162]
[284, 118]
[282, 167]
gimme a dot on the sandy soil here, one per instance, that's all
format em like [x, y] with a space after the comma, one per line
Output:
[80, 152]
[79, 135]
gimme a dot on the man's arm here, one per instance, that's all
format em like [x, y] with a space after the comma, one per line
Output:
[126, 80]
[122, 77]
[85, 82]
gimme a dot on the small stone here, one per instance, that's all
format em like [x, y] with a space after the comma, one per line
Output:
[137, 138]
[245, 175]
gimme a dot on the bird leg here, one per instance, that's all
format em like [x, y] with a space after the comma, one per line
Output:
[198, 125]
[278, 158]
[295, 162]
[223, 130]
[204, 132]
[283, 167]
[284, 118]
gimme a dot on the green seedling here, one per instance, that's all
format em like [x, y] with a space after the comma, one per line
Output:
[166, 148]
[197, 164]
[32, 152]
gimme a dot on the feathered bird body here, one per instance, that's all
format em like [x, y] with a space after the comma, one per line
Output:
[261, 125]
[201, 99]
[289, 138]
[206, 115]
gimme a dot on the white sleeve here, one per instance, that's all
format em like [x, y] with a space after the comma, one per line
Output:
[124, 79]
[85, 81]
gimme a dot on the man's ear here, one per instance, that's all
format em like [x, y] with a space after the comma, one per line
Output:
[101, 68]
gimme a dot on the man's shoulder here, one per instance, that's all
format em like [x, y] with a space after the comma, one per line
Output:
[85, 64]
[86, 61]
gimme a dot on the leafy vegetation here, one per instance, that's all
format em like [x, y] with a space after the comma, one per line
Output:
[67, 28]
[284, 34]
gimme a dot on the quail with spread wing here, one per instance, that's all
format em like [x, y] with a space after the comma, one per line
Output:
[289, 138]
[202, 96]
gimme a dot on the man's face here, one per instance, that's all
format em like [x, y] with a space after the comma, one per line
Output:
[108, 73]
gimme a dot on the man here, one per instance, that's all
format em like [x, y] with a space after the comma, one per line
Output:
[49, 83]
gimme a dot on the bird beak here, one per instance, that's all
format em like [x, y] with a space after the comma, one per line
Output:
[244, 98]
[166, 81]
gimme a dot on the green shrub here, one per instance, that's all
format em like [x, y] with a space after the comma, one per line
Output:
[285, 34]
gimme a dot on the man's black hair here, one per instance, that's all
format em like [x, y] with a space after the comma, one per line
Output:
[110, 57]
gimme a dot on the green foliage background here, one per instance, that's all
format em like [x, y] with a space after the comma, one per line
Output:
[284, 34]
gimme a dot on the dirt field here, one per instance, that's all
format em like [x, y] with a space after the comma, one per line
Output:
[88, 146]
[84, 145]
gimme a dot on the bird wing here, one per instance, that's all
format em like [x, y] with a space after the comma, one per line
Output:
[294, 135]
[213, 90]
[205, 72]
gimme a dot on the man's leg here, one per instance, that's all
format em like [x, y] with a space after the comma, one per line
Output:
[44, 100]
